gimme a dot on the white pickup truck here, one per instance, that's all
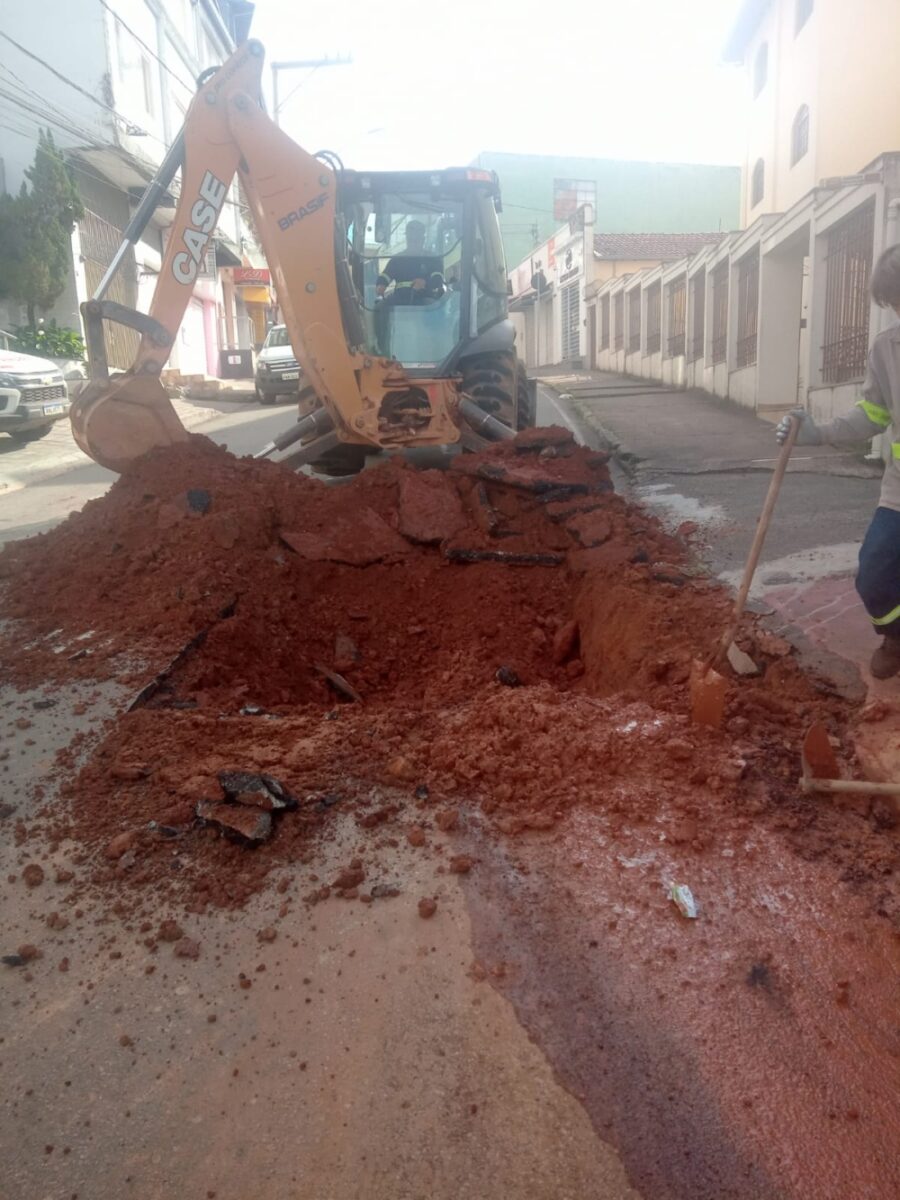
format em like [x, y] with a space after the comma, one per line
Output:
[33, 394]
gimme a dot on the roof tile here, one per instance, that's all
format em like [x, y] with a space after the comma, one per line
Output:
[652, 247]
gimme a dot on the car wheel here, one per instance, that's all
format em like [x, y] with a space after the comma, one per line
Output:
[29, 435]
[266, 397]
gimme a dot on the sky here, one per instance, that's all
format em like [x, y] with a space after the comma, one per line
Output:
[433, 82]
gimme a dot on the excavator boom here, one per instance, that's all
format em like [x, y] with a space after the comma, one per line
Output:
[363, 399]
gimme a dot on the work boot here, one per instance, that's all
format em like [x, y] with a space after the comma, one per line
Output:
[885, 662]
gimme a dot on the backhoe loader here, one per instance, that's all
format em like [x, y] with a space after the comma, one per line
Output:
[392, 286]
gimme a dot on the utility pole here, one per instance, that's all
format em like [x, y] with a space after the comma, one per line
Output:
[301, 64]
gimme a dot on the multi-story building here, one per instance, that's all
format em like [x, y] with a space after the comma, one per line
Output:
[778, 312]
[823, 92]
[113, 81]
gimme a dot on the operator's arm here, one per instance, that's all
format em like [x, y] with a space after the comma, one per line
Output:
[869, 417]
[387, 276]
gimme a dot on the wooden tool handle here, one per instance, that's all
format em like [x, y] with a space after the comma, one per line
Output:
[762, 528]
[849, 785]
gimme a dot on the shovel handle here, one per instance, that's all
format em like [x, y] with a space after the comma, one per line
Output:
[762, 528]
[850, 785]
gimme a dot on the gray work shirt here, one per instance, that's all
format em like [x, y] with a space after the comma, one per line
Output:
[877, 409]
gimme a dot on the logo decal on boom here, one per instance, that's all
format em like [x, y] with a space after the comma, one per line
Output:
[305, 210]
[204, 215]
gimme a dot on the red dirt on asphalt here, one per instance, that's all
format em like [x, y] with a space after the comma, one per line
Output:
[293, 595]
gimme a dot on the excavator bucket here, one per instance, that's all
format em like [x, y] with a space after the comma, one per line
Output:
[117, 420]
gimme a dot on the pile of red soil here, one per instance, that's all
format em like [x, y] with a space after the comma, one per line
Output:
[518, 639]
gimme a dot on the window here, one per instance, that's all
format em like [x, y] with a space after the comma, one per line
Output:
[802, 14]
[604, 323]
[848, 265]
[748, 308]
[634, 320]
[800, 134]
[654, 317]
[698, 315]
[676, 299]
[758, 183]
[570, 194]
[760, 68]
[720, 312]
[619, 321]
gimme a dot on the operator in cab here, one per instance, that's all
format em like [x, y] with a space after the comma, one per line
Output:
[416, 276]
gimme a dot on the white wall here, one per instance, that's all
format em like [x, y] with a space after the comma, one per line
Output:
[77, 45]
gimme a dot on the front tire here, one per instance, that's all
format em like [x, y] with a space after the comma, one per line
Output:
[24, 436]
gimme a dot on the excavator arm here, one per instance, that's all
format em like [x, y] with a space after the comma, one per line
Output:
[364, 400]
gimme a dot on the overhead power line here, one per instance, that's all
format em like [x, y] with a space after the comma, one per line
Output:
[71, 82]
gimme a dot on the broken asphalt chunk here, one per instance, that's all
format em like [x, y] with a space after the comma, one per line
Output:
[256, 790]
[510, 558]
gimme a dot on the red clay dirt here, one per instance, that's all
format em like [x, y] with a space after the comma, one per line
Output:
[518, 636]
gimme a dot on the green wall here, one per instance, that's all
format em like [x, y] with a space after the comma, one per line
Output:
[632, 197]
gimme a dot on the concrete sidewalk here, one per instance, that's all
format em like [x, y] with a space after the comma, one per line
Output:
[692, 457]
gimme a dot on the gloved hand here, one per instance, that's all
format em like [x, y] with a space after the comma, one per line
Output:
[808, 434]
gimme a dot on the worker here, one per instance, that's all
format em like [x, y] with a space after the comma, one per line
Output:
[878, 577]
[416, 276]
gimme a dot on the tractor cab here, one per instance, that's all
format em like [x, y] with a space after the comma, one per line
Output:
[425, 259]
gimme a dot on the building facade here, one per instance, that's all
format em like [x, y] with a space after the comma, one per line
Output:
[772, 316]
[778, 313]
[541, 192]
[823, 92]
[113, 83]
[554, 290]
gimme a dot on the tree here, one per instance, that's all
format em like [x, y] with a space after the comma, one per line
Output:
[36, 229]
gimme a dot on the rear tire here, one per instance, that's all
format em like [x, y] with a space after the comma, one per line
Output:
[525, 408]
[29, 435]
[266, 397]
[490, 380]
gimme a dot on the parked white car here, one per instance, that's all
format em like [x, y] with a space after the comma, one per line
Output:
[33, 394]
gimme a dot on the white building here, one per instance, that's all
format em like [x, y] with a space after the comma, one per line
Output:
[112, 80]
[779, 313]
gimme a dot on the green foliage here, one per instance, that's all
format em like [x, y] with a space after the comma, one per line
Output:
[35, 231]
[49, 341]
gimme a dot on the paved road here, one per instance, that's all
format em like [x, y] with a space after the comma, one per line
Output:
[54, 487]
[699, 459]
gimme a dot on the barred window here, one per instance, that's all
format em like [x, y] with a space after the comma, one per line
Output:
[720, 312]
[800, 134]
[634, 320]
[748, 308]
[848, 267]
[698, 315]
[676, 304]
[619, 321]
[654, 317]
[604, 323]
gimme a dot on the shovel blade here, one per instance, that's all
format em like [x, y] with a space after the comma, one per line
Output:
[819, 761]
[707, 695]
